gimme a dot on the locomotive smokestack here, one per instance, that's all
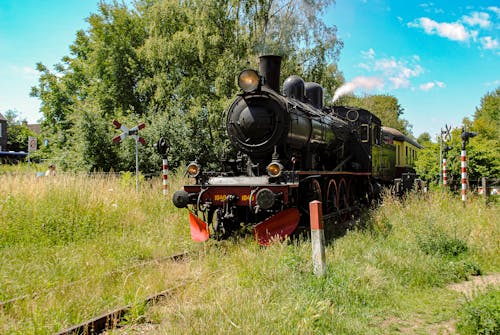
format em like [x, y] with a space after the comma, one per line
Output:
[269, 68]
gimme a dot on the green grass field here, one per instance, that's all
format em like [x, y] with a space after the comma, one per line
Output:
[75, 246]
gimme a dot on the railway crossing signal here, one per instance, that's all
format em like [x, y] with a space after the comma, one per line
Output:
[134, 132]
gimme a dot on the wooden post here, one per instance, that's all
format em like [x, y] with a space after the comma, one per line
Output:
[486, 192]
[317, 238]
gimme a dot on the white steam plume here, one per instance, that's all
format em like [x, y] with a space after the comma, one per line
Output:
[368, 83]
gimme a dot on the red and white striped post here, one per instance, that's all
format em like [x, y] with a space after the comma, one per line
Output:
[317, 238]
[165, 176]
[162, 147]
[463, 158]
[445, 175]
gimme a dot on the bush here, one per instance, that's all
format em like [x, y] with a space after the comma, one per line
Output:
[481, 315]
[438, 242]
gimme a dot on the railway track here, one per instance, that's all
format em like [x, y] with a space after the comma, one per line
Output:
[112, 319]
[176, 258]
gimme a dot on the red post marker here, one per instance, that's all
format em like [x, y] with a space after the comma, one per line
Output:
[317, 238]
[445, 175]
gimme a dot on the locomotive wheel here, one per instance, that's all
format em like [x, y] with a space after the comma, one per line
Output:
[309, 190]
[315, 190]
[331, 197]
[343, 198]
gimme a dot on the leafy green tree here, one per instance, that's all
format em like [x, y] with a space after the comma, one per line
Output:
[427, 164]
[424, 139]
[17, 132]
[484, 150]
[487, 116]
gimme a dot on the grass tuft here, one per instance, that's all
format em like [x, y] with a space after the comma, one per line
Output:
[481, 315]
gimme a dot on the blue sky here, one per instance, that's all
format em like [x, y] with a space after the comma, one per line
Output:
[437, 57]
[33, 31]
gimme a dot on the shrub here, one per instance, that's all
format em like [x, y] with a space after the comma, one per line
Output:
[437, 242]
[481, 315]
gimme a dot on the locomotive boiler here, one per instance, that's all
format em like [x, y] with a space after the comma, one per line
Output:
[289, 149]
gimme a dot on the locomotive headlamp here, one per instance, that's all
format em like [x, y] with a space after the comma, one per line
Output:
[193, 169]
[248, 80]
[274, 169]
[265, 198]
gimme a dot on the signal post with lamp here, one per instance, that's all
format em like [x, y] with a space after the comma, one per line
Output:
[162, 147]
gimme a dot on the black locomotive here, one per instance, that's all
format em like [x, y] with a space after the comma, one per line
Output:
[290, 150]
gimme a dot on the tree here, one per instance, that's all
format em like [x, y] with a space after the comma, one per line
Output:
[17, 132]
[487, 116]
[484, 150]
[424, 139]
[427, 164]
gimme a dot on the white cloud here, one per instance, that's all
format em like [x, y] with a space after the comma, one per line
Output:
[489, 43]
[475, 27]
[453, 31]
[364, 66]
[493, 83]
[495, 10]
[399, 72]
[399, 82]
[370, 53]
[430, 8]
[30, 71]
[430, 85]
[478, 19]
[25, 72]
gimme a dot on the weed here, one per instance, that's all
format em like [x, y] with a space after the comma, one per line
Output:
[435, 241]
[481, 315]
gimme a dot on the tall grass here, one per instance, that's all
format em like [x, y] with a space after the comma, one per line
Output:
[71, 244]
[389, 278]
[76, 246]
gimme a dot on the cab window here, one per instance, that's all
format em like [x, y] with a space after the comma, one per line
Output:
[365, 133]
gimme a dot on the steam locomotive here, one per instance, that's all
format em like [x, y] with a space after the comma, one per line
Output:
[290, 150]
